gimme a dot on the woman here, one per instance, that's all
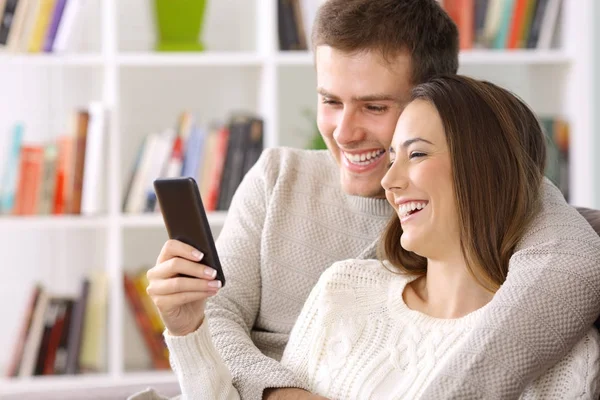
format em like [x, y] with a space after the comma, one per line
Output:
[467, 162]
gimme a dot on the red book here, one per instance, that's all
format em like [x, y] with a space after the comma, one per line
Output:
[215, 179]
[516, 26]
[30, 180]
[462, 13]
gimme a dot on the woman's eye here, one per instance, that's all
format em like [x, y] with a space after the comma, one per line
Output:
[416, 154]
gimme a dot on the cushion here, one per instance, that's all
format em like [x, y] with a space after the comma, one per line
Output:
[592, 216]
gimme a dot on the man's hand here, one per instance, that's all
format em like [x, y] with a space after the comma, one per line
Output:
[290, 394]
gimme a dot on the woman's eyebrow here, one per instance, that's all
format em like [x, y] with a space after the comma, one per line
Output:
[414, 140]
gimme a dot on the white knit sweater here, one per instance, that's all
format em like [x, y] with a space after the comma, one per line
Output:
[356, 339]
[289, 221]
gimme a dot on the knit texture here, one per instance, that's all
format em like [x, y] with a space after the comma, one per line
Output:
[550, 299]
[288, 222]
[357, 339]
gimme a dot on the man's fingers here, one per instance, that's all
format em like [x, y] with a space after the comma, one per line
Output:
[167, 302]
[165, 287]
[175, 248]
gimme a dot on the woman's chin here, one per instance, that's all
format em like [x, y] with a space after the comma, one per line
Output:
[409, 242]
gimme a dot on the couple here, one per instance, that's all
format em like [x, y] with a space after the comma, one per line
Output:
[461, 163]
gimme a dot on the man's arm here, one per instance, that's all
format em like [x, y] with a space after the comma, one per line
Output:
[550, 299]
[232, 313]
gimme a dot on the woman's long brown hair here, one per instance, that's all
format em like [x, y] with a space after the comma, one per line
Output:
[498, 155]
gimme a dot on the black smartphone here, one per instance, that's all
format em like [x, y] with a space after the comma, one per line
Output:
[185, 218]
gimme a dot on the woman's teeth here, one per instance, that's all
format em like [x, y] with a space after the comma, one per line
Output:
[408, 208]
[364, 158]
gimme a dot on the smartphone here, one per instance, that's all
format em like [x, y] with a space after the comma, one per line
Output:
[185, 218]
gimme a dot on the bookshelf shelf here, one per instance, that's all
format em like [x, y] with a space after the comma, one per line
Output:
[183, 59]
[66, 60]
[472, 57]
[52, 222]
[91, 381]
[155, 220]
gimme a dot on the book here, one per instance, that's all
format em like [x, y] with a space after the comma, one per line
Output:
[40, 27]
[8, 17]
[19, 348]
[92, 185]
[57, 13]
[11, 171]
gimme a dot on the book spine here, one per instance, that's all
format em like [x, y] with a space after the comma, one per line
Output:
[81, 131]
[7, 20]
[19, 348]
[53, 25]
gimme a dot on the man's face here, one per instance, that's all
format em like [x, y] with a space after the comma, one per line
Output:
[360, 99]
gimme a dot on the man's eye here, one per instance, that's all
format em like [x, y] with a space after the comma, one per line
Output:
[416, 154]
[377, 108]
[330, 102]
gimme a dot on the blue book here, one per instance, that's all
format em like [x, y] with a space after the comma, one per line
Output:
[505, 19]
[9, 178]
[193, 152]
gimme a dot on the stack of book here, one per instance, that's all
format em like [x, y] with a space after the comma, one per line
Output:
[505, 24]
[61, 334]
[59, 177]
[36, 26]
[217, 158]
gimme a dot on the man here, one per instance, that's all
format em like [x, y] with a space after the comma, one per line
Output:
[297, 212]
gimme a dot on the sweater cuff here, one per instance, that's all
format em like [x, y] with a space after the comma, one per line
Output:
[194, 352]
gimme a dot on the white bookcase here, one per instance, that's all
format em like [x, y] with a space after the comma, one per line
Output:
[145, 91]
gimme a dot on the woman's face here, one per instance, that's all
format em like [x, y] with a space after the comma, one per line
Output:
[419, 183]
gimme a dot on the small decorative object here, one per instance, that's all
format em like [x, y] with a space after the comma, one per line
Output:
[179, 24]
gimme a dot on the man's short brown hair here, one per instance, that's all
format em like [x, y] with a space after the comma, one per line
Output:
[420, 27]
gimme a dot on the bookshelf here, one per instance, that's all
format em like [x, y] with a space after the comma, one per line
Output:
[145, 91]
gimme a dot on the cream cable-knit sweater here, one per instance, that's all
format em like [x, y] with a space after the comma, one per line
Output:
[356, 339]
[290, 220]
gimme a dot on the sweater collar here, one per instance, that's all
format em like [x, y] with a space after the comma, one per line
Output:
[369, 205]
[366, 205]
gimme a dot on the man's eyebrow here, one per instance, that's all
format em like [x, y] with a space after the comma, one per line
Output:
[414, 140]
[366, 98]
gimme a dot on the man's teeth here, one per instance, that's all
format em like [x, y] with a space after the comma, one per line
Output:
[407, 208]
[364, 158]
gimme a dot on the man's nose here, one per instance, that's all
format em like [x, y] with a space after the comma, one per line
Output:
[348, 128]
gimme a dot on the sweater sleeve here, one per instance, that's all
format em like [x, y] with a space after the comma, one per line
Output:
[550, 299]
[232, 313]
[200, 371]
[574, 377]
